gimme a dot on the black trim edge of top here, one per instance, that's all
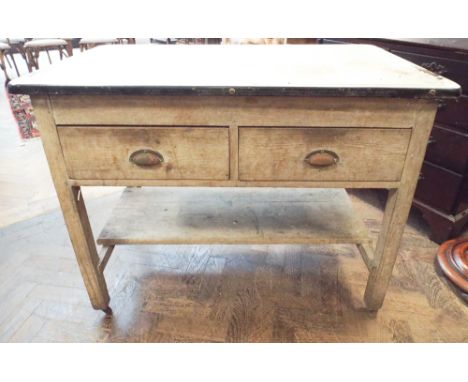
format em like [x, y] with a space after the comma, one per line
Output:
[234, 91]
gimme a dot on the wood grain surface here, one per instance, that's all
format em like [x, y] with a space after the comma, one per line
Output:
[362, 154]
[233, 216]
[219, 111]
[104, 152]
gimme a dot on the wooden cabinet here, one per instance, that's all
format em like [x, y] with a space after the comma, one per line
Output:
[442, 191]
[448, 148]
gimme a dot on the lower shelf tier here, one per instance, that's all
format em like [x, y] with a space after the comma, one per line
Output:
[233, 216]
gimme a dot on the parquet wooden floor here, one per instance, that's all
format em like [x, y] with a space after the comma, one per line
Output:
[221, 293]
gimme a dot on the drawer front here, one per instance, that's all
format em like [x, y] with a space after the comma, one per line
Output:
[454, 113]
[322, 154]
[448, 149]
[452, 69]
[439, 188]
[105, 152]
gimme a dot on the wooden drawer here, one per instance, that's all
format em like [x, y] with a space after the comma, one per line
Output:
[439, 188]
[104, 152]
[448, 149]
[285, 153]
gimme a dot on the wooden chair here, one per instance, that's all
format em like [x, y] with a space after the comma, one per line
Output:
[35, 46]
[88, 43]
[16, 46]
[4, 48]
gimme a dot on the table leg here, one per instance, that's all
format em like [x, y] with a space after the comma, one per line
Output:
[84, 245]
[397, 209]
[73, 208]
[396, 213]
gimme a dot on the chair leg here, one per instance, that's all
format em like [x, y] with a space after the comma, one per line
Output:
[2, 65]
[14, 64]
[27, 58]
[34, 54]
[68, 50]
[48, 55]
[8, 61]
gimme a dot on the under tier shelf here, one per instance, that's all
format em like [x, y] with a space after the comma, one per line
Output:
[189, 215]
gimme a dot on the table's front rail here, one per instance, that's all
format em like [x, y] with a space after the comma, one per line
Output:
[234, 111]
[235, 141]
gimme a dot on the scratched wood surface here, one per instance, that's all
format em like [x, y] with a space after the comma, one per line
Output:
[267, 153]
[233, 216]
[103, 152]
[250, 111]
[248, 293]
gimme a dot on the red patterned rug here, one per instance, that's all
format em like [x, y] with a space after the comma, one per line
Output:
[23, 112]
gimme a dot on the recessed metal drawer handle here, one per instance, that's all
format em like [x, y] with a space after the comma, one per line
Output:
[146, 158]
[322, 158]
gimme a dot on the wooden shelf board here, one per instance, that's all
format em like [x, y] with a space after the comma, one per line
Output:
[189, 215]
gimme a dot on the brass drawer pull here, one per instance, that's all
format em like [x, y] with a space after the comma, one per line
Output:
[322, 158]
[146, 158]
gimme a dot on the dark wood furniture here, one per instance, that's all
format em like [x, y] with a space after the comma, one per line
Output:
[442, 192]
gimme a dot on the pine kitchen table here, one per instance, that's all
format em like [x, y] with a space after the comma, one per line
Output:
[235, 144]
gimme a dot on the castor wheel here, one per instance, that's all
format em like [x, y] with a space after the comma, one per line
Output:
[108, 311]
